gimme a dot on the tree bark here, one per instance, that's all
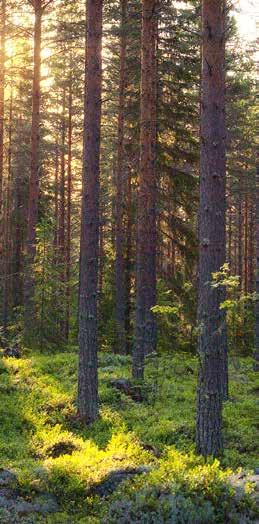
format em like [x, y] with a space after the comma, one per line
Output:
[69, 196]
[7, 224]
[120, 276]
[88, 373]
[128, 269]
[2, 91]
[145, 328]
[29, 281]
[61, 220]
[256, 355]
[212, 385]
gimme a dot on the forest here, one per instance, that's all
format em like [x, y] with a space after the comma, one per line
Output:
[129, 262]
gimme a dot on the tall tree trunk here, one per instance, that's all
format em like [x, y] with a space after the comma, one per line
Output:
[257, 273]
[61, 219]
[7, 225]
[212, 235]
[246, 242]
[251, 283]
[145, 328]
[89, 249]
[69, 196]
[120, 276]
[29, 281]
[128, 266]
[56, 204]
[240, 229]
[2, 91]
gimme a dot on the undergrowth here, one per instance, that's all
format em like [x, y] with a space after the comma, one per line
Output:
[43, 441]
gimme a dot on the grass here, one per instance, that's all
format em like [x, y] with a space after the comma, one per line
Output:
[42, 440]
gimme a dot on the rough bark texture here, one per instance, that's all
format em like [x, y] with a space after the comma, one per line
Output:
[128, 268]
[120, 277]
[145, 328]
[7, 223]
[29, 281]
[69, 200]
[88, 379]
[2, 89]
[257, 274]
[212, 338]
[61, 220]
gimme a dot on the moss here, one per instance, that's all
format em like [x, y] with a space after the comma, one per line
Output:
[42, 439]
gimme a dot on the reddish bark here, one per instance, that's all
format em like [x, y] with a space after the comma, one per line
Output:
[256, 355]
[2, 90]
[69, 199]
[89, 248]
[29, 281]
[7, 224]
[120, 276]
[212, 386]
[145, 328]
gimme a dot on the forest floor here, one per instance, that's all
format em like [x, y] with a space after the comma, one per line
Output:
[137, 462]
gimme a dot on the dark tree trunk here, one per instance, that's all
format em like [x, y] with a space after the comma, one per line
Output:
[120, 277]
[212, 339]
[88, 373]
[69, 196]
[251, 283]
[145, 328]
[56, 205]
[29, 281]
[7, 224]
[240, 230]
[128, 268]
[257, 273]
[61, 219]
[2, 90]
[246, 244]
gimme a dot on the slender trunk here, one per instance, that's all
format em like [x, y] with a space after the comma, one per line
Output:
[251, 247]
[256, 355]
[101, 256]
[246, 244]
[145, 328]
[120, 276]
[69, 195]
[240, 231]
[230, 234]
[128, 269]
[18, 242]
[29, 282]
[89, 246]
[212, 338]
[56, 205]
[2, 91]
[7, 231]
[61, 220]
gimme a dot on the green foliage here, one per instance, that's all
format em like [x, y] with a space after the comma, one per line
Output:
[42, 439]
[182, 490]
[176, 316]
[240, 311]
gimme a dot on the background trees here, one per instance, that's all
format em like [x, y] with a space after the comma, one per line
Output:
[128, 231]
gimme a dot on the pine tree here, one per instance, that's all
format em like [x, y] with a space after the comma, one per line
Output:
[212, 337]
[121, 185]
[88, 380]
[29, 281]
[257, 274]
[2, 91]
[145, 330]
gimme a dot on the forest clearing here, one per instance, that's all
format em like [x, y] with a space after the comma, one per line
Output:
[129, 262]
